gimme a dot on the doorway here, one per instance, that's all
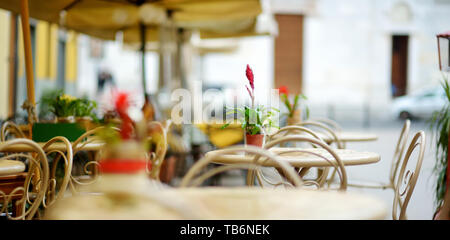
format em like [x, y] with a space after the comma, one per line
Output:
[399, 65]
[289, 52]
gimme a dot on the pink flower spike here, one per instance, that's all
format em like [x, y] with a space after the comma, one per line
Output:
[249, 92]
[250, 77]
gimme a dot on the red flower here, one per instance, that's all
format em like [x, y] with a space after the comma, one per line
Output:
[283, 90]
[250, 77]
[122, 103]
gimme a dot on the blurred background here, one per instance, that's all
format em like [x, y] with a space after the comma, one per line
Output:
[366, 64]
[351, 58]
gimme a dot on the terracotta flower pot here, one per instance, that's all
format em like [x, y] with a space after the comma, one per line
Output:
[69, 119]
[295, 119]
[255, 140]
[84, 122]
[113, 121]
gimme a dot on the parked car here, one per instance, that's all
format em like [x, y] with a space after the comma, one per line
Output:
[421, 104]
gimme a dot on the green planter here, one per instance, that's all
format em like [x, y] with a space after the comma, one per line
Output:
[42, 132]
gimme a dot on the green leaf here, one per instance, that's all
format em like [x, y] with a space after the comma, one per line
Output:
[225, 125]
[286, 102]
[307, 112]
[295, 102]
[440, 124]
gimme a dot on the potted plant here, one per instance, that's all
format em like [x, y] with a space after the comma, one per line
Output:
[254, 119]
[441, 125]
[294, 112]
[84, 112]
[62, 106]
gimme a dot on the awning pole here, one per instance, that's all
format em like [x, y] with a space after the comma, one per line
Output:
[143, 42]
[30, 104]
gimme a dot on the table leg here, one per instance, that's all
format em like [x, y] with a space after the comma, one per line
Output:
[17, 209]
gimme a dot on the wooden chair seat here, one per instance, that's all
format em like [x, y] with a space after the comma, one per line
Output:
[10, 167]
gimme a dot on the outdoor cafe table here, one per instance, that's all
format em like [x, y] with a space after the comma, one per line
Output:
[222, 203]
[348, 136]
[348, 157]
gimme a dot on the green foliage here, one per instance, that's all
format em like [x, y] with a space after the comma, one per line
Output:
[292, 107]
[441, 125]
[109, 135]
[60, 104]
[84, 108]
[254, 120]
[63, 105]
[45, 110]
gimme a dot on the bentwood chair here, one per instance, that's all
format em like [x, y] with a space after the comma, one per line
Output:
[23, 187]
[330, 123]
[87, 159]
[319, 127]
[326, 131]
[198, 173]
[58, 149]
[321, 150]
[407, 179]
[10, 130]
[396, 158]
[292, 130]
[56, 189]
[295, 130]
[157, 138]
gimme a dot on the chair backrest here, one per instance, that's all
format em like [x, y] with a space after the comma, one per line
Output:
[58, 148]
[10, 129]
[293, 130]
[324, 129]
[330, 123]
[398, 153]
[36, 180]
[406, 179]
[260, 157]
[335, 161]
[91, 167]
[157, 134]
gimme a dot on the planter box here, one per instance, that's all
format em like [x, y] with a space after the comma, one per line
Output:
[42, 132]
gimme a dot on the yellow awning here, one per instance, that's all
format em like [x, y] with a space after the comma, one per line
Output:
[105, 18]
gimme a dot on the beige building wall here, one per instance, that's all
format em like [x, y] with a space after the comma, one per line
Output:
[4, 42]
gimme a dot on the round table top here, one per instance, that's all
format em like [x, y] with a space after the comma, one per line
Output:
[347, 136]
[221, 203]
[348, 157]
